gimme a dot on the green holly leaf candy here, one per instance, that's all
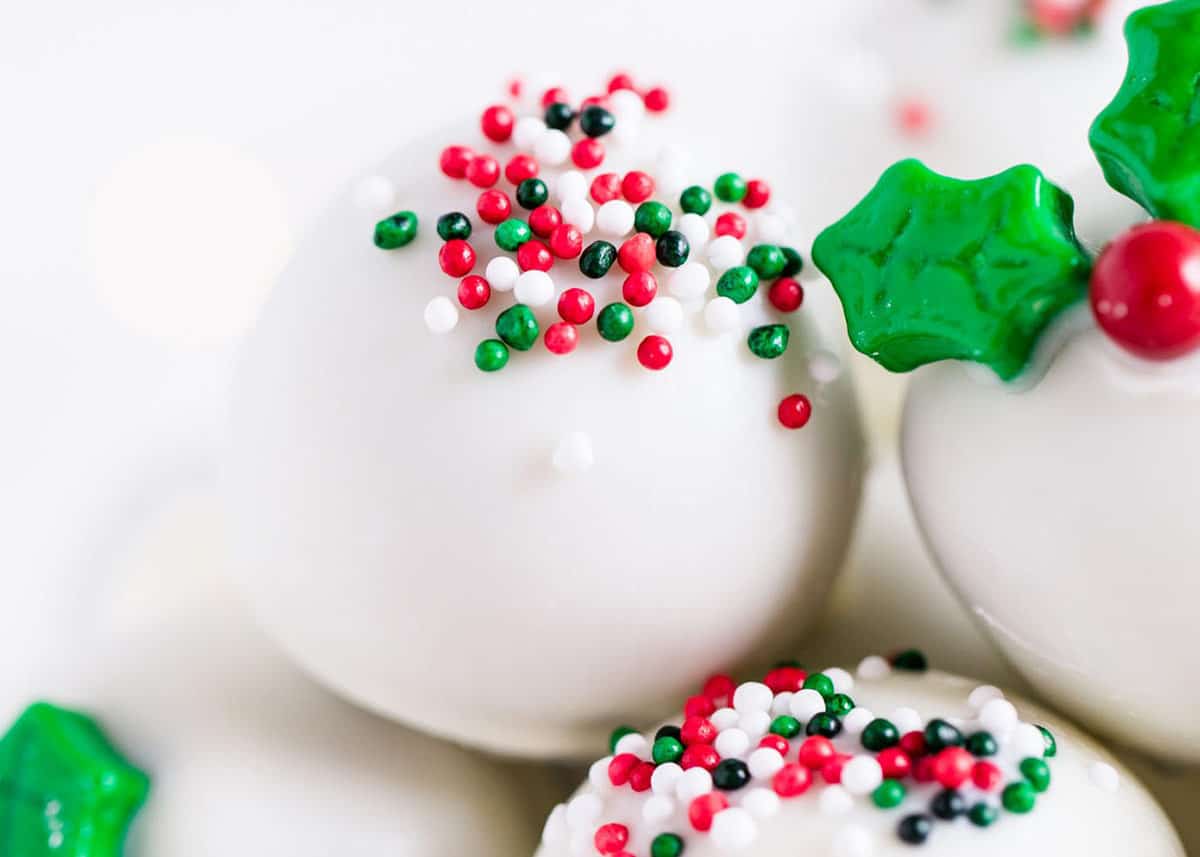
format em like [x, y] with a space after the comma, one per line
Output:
[64, 790]
[933, 268]
[1148, 138]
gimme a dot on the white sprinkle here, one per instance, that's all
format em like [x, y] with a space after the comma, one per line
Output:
[873, 668]
[856, 720]
[843, 682]
[615, 218]
[375, 194]
[862, 775]
[501, 273]
[1026, 740]
[721, 315]
[534, 288]
[724, 718]
[635, 744]
[764, 762]
[579, 213]
[752, 696]
[689, 280]
[625, 132]
[626, 104]
[552, 147]
[441, 315]
[732, 743]
[574, 453]
[906, 720]
[555, 832]
[664, 315]
[852, 842]
[755, 724]
[527, 131]
[583, 810]
[761, 803]
[769, 228]
[982, 695]
[598, 774]
[693, 783]
[782, 703]
[1104, 775]
[695, 230]
[824, 367]
[733, 829]
[725, 252]
[572, 184]
[998, 716]
[657, 808]
[835, 800]
[664, 778]
[806, 703]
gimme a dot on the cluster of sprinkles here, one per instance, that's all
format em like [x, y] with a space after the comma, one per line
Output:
[1057, 18]
[741, 750]
[654, 229]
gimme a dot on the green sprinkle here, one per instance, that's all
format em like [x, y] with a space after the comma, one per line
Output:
[785, 725]
[879, 735]
[597, 258]
[824, 723]
[653, 218]
[1018, 797]
[738, 284]
[453, 225]
[617, 734]
[768, 342]
[982, 814]
[396, 231]
[889, 794]
[531, 193]
[491, 355]
[819, 682]
[839, 705]
[939, 735]
[981, 744]
[666, 749]
[767, 260]
[512, 233]
[666, 845]
[518, 327]
[672, 248]
[1036, 772]
[695, 200]
[793, 262]
[730, 187]
[910, 660]
[615, 322]
[1051, 744]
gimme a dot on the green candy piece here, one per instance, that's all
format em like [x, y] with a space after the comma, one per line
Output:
[512, 233]
[738, 284]
[617, 734]
[911, 660]
[819, 682]
[666, 749]
[981, 744]
[786, 726]
[793, 262]
[1036, 772]
[768, 342]
[396, 231]
[531, 193]
[517, 327]
[653, 218]
[1018, 797]
[695, 200]
[491, 355]
[730, 187]
[889, 794]
[1148, 138]
[939, 734]
[666, 845]
[839, 705]
[767, 260]
[934, 268]
[879, 735]
[982, 814]
[615, 322]
[596, 259]
[453, 224]
[1051, 744]
[65, 791]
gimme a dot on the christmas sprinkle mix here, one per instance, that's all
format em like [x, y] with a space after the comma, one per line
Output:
[651, 245]
[741, 751]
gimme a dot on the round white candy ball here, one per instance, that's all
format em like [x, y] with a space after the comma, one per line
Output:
[441, 315]
[527, 131]
[572, 184]
[806, 703]
[725, 252]
[861, 775]
[752, 696]
[534, 288]
[502, 273]
[998, 716]
[578, 212]
[733, 829]
[664, 315]
[695, 230]
[615, 218]
[552, 147]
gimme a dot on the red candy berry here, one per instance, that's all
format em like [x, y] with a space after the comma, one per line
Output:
[895, 763]
[699, 756]
[952, 767]
[785, 679]
[719, 688]
[637, 186]
[640, 777]
[566, 241]
[792, 780]
[702, 809]
[455, 160]
[533, 255]
[795, 411]
[493, 206]
[576, 306]
[457, 257]
[786, 294]
[594, 101]
[758, 194]
[816, 752]
[777, 743]
[697, 730]
[914, 117]
[555, 95]
[1146, 290]
[544, 219]
[587, 153]
[519, 168]
[831, 771]
[621, 767]
[611, 838]
[731, 223]
[923, 771]
[656, 99]
[986, 776]
[640, 287]
[654, 352]
[636, 254]
[483, 171]
[515, 86]
[620, 80]
[697, 706]
[474, 291]
[606, 187]
[913, 743]
[497, 123]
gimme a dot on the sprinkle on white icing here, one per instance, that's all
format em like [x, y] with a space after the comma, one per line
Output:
[806, 703]
[907, 719]
[441, 315]
[724, 718]
[872, 667]
[998, 716]
[764, 763]
[761, 802]
[843, 682]
[755, 724]
[732, 743]
[835, 800]
[856, 720]
[664, 778]
[633, 743]
[501, 273]
[664, 315]
[982, 695]
[1027, 740]
[598, 774]
[693, 783]
[862, 775]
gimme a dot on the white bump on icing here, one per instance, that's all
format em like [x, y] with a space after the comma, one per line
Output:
[907, 719]
[835, 800]
[598, 774]
[872, 667]
[843, 682]
[856, 720]
[501, 273]
[375, 194]
[732, 743]
[574, 455]
[782, 704]
[982, 695]
[752, 696]
[693, 783]
[806, 703]
[1027, 740]
[998, 716]
[633, 743]
[441, 315]
[733, 829]
[1104, 775]
[862, 775]
[664, 778]
[724, 718]
[764, 763]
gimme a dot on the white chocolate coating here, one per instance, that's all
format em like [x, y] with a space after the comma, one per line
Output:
[1076, 817]
[1064, 516]
[405, 536]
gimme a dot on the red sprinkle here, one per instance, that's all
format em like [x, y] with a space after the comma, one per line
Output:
[913, 743]
[952, 767]
[923, 771]
[656, 99]
[831, 771]
[515, 86]
[457, 257]
[587, 153]
[483, 171]
[777, 743]
[497, 123]
[731, 223]
[533, 255]
[576, 305]
[654, 352]
[455, 160]
[719, 688]
[566, 241]
[639, 289]
[544, 219]
[795, 411]
[758, 193]
[895, 763]
[697, 730]
[696, 706]
[986, 776]
[611, 838]
[792, 780]
[519, 168]
[594, 101]
[702, 809]
[621, 767]
[639, 779]
[816, 752]
[700, 756]
[786, 294]
[606, 187]
[493, 206]
[555, 95]
[637, 254]
[474, 291]
[637, 186]
[620, 80]
[785, 679]
[914, 117]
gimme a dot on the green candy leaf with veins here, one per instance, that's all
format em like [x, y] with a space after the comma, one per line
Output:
[933, 268]
[1148, 139]
[64, 790]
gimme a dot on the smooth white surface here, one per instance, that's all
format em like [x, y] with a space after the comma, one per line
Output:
[1075, 818]
[403, 534]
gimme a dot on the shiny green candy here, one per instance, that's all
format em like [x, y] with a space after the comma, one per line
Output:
[653, 218]
[879, 735]
[982, 815]
[889, 794]
[666, 749]
[1018, 797]
[396, 231]
[491, 355]
[672, 249]
[666, 845]
[939, 735]
[738, 284]
[839, 705]
[981, 744]
[453, 225]
[786, 726]
[597, 258]
[559, 116]
[615, 322]
[617, 734]
[1036, 772]
[730, 187]
[819, 682]
[595, 121]
[531, 193]
[767, 260]
[768, 342]
[825, 724]
[793, 262]
[517, 327]
[910, 660]
[695, 200]
[1051, 744]
[512, 233]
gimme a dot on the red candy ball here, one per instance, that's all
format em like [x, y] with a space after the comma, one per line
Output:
[519, 168]
[566, 241]
[986, 776]
[731, 223]
[555, 95]
[621, 767]
[786, 294]
[719, 687]
[620, 80]
[493, 206]
[640, 777]
[923, 771]
[697, 730]
[606, 187]
[831, 771]
[657, 99]
[455, 160]
[637, 186]
[533, 255]
[594, 101]
[654, 352]
[576, 306]
[792, 780]
[611, 838]
[758, 193]
[698, 706]
[699, 756]
[795, 411]
[913, 743]
[895, 763]
[816, 752]
[640, 287]
[785, 679]
[952, 767]
[777, 743]
[636, 254]
[702, 809]
[457, 257]
[497, 123]
[544, 219]
[587, 153]
[474, 291]
[1145, 290]
[561, 338]
[483, 171]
